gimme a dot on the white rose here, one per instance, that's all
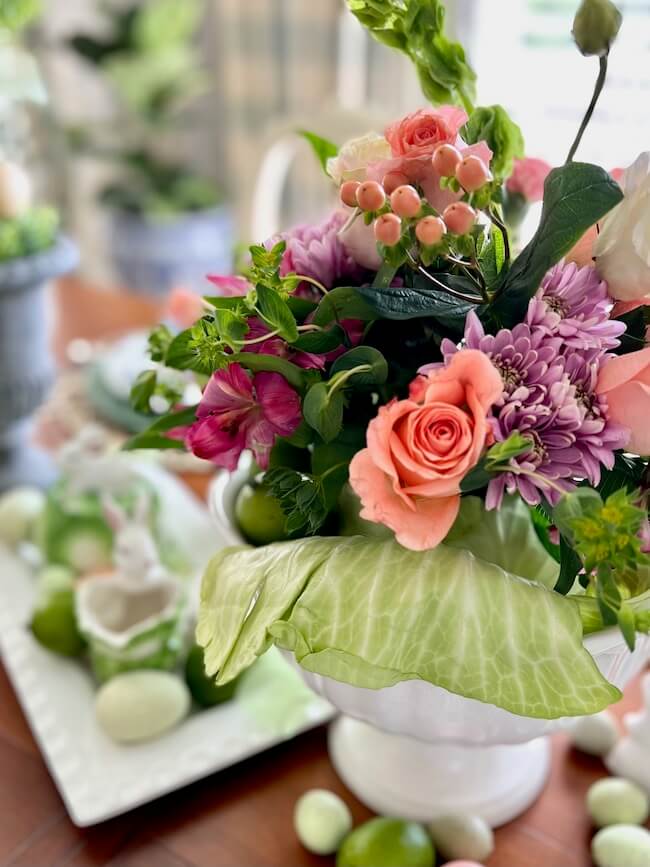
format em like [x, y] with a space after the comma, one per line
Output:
[359, 241]
[352, 160]
[622, 249]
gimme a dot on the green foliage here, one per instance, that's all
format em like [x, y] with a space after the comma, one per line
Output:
[323, 410]
[276, 313]
[306, 499]
[361, 367]
[604, 534]
[576, 196]
[154, 436]
[17, 14]
[32, 233]
[417, 27]
[494, 125]
[425, 297]
[322, 148]
[344, 302]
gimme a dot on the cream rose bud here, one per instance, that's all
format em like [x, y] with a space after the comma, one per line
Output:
[352, 160]
[622, 249]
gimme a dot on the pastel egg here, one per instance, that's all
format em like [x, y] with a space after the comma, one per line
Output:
[595, 735]
[321, 820]
[20, 509]
[620, 846]
[462, 835]
[141, 705]
[615, 801]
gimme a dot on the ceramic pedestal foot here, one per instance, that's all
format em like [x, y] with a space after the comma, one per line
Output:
[399, 776]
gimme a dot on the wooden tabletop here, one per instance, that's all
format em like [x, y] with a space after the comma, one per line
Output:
[241, 817]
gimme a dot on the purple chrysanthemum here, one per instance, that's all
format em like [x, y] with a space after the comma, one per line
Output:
[317, 252]
[549, 393]
[524, 357]
[573, 303]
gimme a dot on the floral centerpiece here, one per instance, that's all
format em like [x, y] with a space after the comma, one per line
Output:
[464, 423]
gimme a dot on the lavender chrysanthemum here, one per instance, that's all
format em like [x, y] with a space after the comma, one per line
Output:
[573, 303]
[550, 397]
[317, 252]
[522, 356]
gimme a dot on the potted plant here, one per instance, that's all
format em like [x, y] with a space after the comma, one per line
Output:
[169, 225]
[32, 252]
[456, 436]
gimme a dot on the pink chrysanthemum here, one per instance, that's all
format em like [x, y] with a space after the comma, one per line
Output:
[573, 303]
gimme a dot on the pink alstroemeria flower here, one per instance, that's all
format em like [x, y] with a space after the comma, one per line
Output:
[239, 411]
[229, 286]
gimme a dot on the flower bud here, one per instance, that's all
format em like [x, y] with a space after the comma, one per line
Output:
[596, 26]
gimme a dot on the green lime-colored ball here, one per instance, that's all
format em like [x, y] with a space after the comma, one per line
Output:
[384, 842]
[54, 625]
[259, 515]
[203, 688]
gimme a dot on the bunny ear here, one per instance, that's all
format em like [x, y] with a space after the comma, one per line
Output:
[142, 508]
[114, 513]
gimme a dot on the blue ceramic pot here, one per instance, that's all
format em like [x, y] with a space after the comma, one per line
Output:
[154, 256]
[26, 367]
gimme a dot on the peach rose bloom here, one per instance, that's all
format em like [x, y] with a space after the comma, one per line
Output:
[625, 381]
[419, 450]
[413, 140]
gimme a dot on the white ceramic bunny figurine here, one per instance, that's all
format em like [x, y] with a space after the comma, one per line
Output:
[87, 466]
[135, 553]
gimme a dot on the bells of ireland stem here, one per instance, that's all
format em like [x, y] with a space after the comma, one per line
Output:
[596, 26]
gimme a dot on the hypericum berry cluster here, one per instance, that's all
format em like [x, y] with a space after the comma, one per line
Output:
[389, 203]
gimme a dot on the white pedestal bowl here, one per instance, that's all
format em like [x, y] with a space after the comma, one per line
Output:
[415, 750]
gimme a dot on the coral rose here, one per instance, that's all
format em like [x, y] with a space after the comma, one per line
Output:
[419, 450]
[624, 380]
[413, 140]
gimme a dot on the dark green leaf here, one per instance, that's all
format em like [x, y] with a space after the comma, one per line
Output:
[283, 454]
[320, 342]
[626, 473]
[570, 565]
[327, 455]
[142, 390]
[344, 302]
[376, 371]
[301, 497]
[476, 479]
[258, 361]
[323, 148]
[300, 307]
[636, 322]
[276, 313]
[422, 299]
[576, 196]
[323, 410]
[153, 437]
[493, 258]
[232, 326]
[180, 354]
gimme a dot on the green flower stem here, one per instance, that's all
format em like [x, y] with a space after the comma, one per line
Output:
[341, 378]
[304, 279]
[600, 83]
[261, 339]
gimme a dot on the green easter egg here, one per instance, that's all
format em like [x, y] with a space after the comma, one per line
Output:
[203, 688]
[259, 515]
[54, 624]
[321, 820]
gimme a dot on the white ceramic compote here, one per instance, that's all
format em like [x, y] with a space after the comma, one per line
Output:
[416, 750]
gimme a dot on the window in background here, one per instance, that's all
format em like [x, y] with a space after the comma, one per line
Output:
[549, 84]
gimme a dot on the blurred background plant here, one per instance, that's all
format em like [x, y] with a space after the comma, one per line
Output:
[147, 56]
